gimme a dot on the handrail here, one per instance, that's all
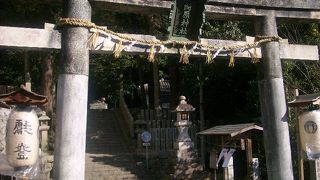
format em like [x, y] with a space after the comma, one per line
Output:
[126, 116]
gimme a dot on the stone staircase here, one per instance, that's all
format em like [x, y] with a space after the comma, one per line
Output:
[108, 156]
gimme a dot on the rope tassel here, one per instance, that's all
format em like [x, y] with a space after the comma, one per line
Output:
[152, 54]
[232, 60]
[254, 56]
[184, 58]
[209, 58]
[118, 47]
[92, 41]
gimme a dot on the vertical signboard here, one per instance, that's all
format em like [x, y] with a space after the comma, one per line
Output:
[187, 17]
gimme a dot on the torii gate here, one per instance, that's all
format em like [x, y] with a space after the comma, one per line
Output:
[73, 78]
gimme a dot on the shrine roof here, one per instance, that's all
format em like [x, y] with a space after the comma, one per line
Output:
[305, 100]
[4, 105]
[184, 106]
[24, 97]
[231, 130]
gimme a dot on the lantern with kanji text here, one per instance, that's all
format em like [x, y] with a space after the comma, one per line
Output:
[22, 131]
[309, 124]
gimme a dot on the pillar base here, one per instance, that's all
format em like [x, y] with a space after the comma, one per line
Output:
[188, 166]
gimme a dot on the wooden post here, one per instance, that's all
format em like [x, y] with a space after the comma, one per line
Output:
[202, 138]
[273, 103]
[300, 159]
[156, 92]
[225, 170]
[27, 75]
[249, 157]
[72, 95]
[47, 81]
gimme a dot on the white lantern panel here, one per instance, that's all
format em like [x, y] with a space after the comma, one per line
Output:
[22, 146]
[309, 127]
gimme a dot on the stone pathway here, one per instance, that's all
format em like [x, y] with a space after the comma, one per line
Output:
[107, 155]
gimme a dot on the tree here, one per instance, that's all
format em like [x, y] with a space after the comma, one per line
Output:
[47, 81]
[302, 75]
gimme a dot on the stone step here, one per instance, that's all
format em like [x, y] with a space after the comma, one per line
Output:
[112, 149]
[109, 171]
[118, 162]
[106, 140]
[112, 142]
[99, 151]
[115, 143]
[118, 149]
[100, 142]
[108, 156]
[120, 167]
[111, 177]
[111, 166]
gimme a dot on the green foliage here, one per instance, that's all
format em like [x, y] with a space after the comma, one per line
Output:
[230, 30]
[132, 23]
[12, 68]
[301, 75]
[300, 33]
[31, 13]
[232, 93]
[106, 74]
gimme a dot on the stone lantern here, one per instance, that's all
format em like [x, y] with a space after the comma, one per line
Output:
[187, 166]
[183, 123]
[22, 137]
[44, 128]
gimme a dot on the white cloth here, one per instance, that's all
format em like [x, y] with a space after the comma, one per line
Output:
[227, 157]
[223, 153]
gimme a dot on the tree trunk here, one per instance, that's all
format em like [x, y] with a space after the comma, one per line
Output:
[173, 74]
[201, 110]
[156, 93]
[156, 85]
[155, 74]
[47, 82]
[143, 92]
[27, 75]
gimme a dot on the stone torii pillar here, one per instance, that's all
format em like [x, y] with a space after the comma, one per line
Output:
[72, 95]
[273, 103]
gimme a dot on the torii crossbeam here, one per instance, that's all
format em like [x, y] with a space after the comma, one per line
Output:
[50, 39]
